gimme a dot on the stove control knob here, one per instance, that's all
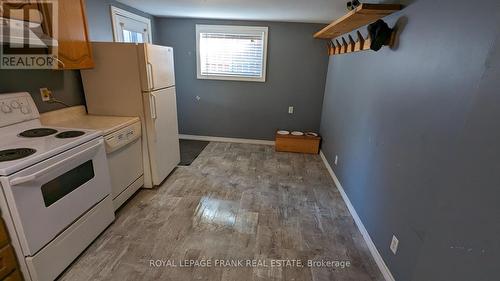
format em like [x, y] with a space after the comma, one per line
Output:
[6, 109]
[15, 104]
[25, 109]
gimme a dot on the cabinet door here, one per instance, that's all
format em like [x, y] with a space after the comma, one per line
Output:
[74, 49]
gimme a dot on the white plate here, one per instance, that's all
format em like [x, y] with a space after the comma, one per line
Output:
[283, 132]
[311, 134]
[297, 133]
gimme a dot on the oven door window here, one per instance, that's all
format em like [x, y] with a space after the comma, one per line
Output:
[59, 187]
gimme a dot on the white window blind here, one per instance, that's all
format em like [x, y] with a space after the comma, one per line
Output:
[231, 52]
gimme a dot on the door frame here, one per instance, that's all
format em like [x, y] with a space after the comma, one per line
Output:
[115, 11]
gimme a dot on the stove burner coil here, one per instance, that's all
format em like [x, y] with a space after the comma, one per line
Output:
[16, 153]
[38, 132]
[69, 134]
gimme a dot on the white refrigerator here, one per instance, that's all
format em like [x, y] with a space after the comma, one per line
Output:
[138, 80]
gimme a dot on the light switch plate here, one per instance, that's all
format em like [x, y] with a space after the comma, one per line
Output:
[290, 110]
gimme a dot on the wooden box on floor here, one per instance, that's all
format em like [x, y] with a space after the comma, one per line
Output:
[300, 144]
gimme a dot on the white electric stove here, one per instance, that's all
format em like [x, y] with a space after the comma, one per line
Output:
[56, 187]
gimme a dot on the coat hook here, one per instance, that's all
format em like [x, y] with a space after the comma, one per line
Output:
[392, 39]
[351, 43]
[332, 48]
[368, 42]
[338, 49]
[360, 42]
[344, 46]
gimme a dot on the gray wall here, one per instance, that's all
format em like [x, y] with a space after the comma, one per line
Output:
[66, 85]
[296, 73]
[417, 135]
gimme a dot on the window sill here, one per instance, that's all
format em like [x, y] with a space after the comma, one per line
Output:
[232, 78]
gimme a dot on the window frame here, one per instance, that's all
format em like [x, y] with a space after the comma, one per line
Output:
[200, 28]
[115, 11]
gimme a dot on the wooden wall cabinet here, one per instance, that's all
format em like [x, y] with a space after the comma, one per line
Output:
[74, 49]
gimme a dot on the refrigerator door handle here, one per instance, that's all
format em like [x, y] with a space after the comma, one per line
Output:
[153, 106]
[151, 76]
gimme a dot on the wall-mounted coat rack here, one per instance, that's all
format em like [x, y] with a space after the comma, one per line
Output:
[364, 14]
[336, 47]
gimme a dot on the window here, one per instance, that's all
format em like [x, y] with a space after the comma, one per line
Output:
[129, 27]
[231, 52]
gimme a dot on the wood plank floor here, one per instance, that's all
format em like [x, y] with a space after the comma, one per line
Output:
[236, 202]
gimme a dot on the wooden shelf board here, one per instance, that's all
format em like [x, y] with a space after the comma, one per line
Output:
[364, 14]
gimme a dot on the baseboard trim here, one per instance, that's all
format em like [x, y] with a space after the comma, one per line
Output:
[222, 139]
[371, 246]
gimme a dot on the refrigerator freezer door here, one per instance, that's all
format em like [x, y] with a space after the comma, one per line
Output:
[162, 132]
[159, 67]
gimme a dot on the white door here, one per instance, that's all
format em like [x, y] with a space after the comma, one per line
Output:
[162, 133]
[160, 63]
[129, 27]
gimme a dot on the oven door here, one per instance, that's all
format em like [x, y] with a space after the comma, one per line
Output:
[46, 198]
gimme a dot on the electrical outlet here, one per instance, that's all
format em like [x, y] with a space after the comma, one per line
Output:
[290, 110]
[46, 94]
[394, 244]
[336, 160]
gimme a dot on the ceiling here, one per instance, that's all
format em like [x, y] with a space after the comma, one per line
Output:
[313, 11]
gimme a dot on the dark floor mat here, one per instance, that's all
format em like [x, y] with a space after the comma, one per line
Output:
[190, 149]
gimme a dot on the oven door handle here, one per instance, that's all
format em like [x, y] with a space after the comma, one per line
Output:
[32, 177]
